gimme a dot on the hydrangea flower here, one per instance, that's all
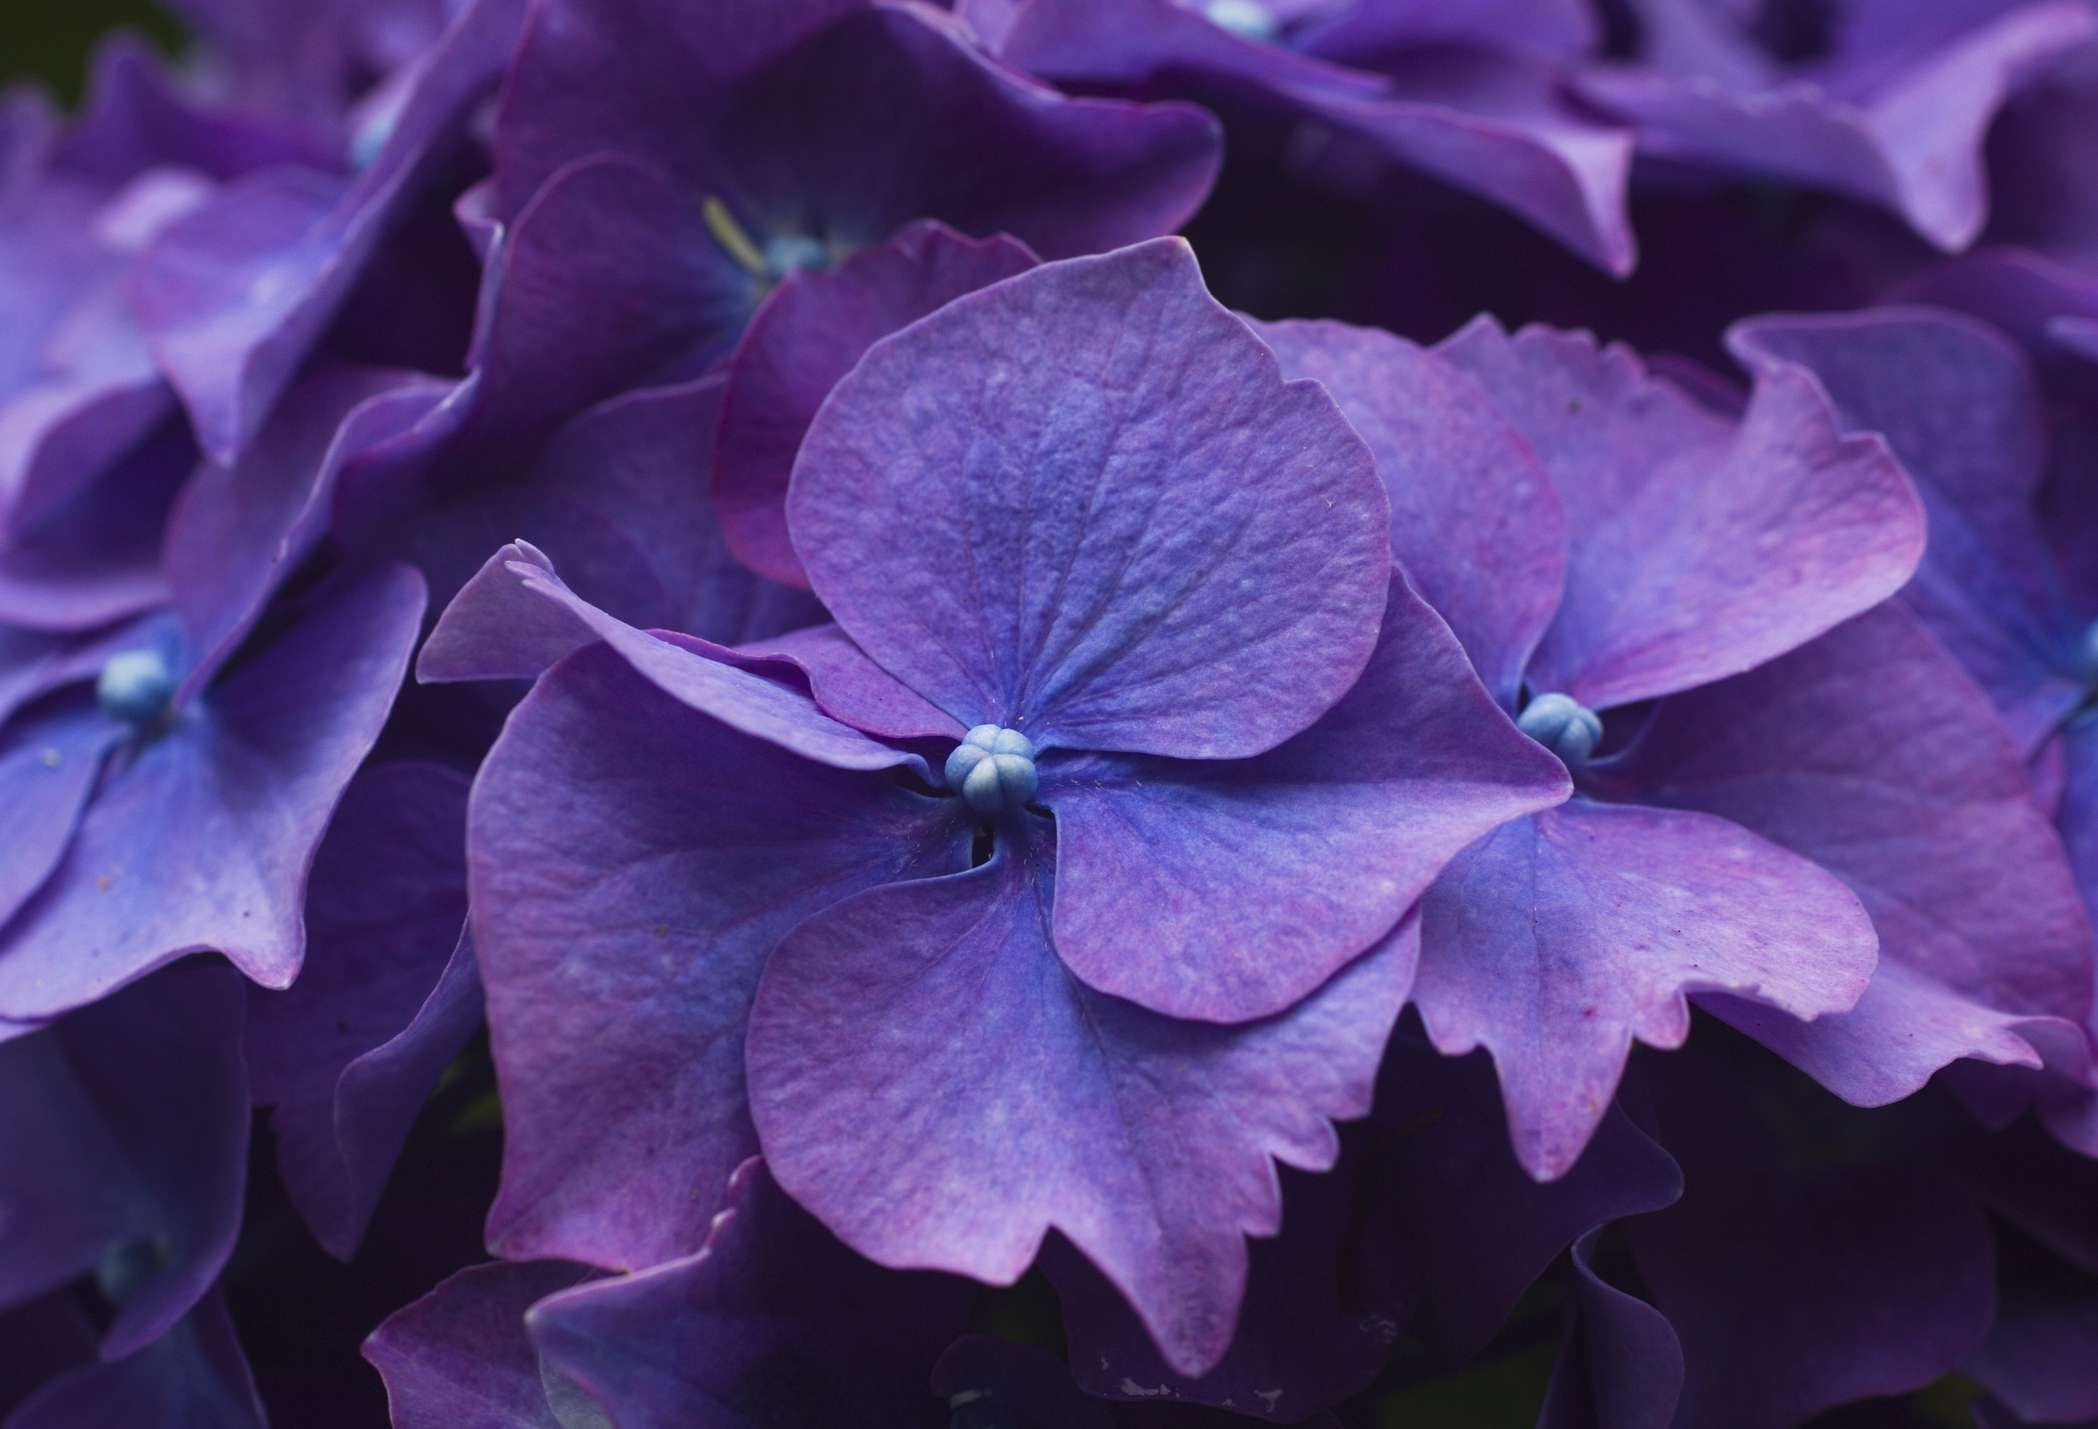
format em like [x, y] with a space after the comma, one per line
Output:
[171, 795]
[1178, 651]
[1598, 539]
[704, 180]
[1467, 94]
[1885, 102]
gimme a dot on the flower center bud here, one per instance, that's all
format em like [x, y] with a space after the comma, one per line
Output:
[135, 686]
[1248, 19]
[1563, 725]
[993, 770]
[792, 252]
[126, 1266]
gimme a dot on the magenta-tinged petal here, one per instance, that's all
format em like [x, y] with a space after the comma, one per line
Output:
[633, 863]
[1474, 520]
[127, 1130]
[388, 994]
[459, 1357]
[807, 335]
[1561, 938]
[235, 294]
[1699, 547]
[1124, 530]
[772, 1322]
[1911, 141]
[1222, 891]
[201, 836]
[490, 633]
[1959, 406]
[929, 1081]
[1620, 1365]
[1871, 752]
[192, 1377]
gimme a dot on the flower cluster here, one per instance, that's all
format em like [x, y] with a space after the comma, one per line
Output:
[991, 714]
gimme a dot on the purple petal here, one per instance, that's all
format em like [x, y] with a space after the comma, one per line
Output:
[2038, 1356]
[721, 105]
[459, 1358]
[1561, 938]
[807, 335]
[1699, 547]
[1114, 42]
[237, 532]
[1126, 532]
[848, 686]
[1498, 126]
[234, 296]
[633, 863]
[1872, 753]
[772, 1322]
[494, 636]
[388, 995]
[1223, 891]
[1620, 1366]
[1958, 405]
[48, 767]
[929, 1081]
[226, 807]
[1474, 520]
[1911, 140]
[127, 1130]
[192, 1377]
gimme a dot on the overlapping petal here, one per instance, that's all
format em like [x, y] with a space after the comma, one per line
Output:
[1125, 531]
[929, 1080]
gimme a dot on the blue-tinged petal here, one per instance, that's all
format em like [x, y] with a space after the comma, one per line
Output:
[127, 1130]
[201, 834]
[1620, 1365]
[192, 1377]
